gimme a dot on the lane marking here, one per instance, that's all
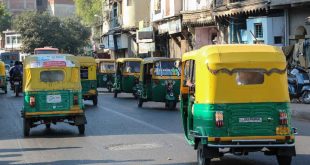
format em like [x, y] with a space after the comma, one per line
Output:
[142, 122]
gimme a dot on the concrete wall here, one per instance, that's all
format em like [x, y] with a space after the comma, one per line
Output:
[169, 8]
[18, 6]
[190, 5]
[203, 36]
[135, 12]
[61, 8]
[297, 18]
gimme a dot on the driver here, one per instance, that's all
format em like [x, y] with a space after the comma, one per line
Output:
[15, 71]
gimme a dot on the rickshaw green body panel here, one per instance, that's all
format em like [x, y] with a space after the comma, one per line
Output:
[41, 105]
[103, 79]
[157, 92]
[126, 83]
[3, 83]
[203, 117]
[89, 87]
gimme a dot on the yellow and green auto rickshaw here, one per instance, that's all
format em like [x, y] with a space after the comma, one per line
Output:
[105, 73]
[127, 75]
[236, 97]
[3, 78]
[52, 92]
[88, 78]
[159, 81]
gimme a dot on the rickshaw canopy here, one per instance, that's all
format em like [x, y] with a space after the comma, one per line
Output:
[122, 60]
[86, 61]
[2, 68]
[51, 72]
[104, 60]
[219, 70]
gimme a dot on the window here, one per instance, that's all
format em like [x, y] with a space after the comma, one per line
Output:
[52, 76]
[129, 2]
[8, 40]
[14, 39]
[132, 67]
[39, 3]
[157, 6]
[278, 40]
[189, 73]
[19, 39]
[249, 78]
[258, 29]
[166, 68]
[84, 72]
[107, 67]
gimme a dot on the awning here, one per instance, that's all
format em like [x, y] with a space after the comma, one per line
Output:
[198, 18]
[230, 10]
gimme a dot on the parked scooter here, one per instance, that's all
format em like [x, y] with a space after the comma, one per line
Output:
[299, 84]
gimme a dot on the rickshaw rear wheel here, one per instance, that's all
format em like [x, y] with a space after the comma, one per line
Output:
[140, 102]
[109, 89]
[95, 100]
[171, 105]
[115, 94]
[201, 155]
[81, 129]
[26, 126]
[284, 160]
[16, 91]
[48, 126]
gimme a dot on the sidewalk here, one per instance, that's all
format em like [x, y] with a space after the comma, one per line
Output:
[301, 111]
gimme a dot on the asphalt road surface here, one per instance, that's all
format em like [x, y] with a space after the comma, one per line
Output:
[117, 133]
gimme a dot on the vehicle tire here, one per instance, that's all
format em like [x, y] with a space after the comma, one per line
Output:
[115, 94]
[48, 126]
[109, 89]
[171, 105]
[26, 126]
[5, 91]
[81, 129]
[140, 102]
[306, 97]
[16, 91]
[284, 160]
[201, 157]
[95, 100]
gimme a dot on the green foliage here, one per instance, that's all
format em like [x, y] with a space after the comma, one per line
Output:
[42, 29]
[86, 9]
[5, 18]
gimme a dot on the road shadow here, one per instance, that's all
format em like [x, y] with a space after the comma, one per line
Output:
[9, 150]
[69, 132]
[78, 162]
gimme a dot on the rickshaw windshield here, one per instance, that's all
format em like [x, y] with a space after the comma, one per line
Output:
[166, 68]
[107, 67]
[132, 67]
[52, 76]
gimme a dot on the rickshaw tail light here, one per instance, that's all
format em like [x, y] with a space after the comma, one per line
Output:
[219, 119]
[32, 101]
[283, 118]
[75, 100]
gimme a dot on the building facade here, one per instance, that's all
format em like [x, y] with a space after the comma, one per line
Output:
[61, 8]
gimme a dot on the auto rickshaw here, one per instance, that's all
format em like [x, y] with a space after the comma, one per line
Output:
[88, 78]
[105, 73]
[52, 92]
[235, 97]
[159, 81]
[127, 75]
[3, 78]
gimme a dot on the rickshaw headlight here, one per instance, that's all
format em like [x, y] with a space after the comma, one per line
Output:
[75, 100]
[32, 101]
[219, 119]
[283, 118]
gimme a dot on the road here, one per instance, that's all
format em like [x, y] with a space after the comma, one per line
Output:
[117, 133]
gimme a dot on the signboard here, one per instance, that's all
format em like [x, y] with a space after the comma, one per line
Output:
[146, 47]
[51, 61]
[171, 27]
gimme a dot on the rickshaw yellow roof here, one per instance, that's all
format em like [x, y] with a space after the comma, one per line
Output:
[36, 58]
[2, 68]
[155, 59]
[236, 54]
[86, 60]
[104, 60]
[122, 60]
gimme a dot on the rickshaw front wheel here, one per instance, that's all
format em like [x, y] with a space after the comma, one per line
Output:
[171, 105]
[26, 127]
[81, 129]
[115, 94]
[140, 102]
[284, 160]
[201, 155]
[48, 126]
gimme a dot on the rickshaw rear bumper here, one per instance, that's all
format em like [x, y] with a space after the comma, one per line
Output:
[53, 113]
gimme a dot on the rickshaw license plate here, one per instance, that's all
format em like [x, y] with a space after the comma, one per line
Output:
[250, 120]
[53, 98]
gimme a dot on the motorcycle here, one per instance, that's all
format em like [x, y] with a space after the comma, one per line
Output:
[17, 85]
[299, 84]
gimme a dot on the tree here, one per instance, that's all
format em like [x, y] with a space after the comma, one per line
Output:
[87, 9]
[42, 29]
[5, 18]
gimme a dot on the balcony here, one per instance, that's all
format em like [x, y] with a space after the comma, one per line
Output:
[236, 3]
[114, 22]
